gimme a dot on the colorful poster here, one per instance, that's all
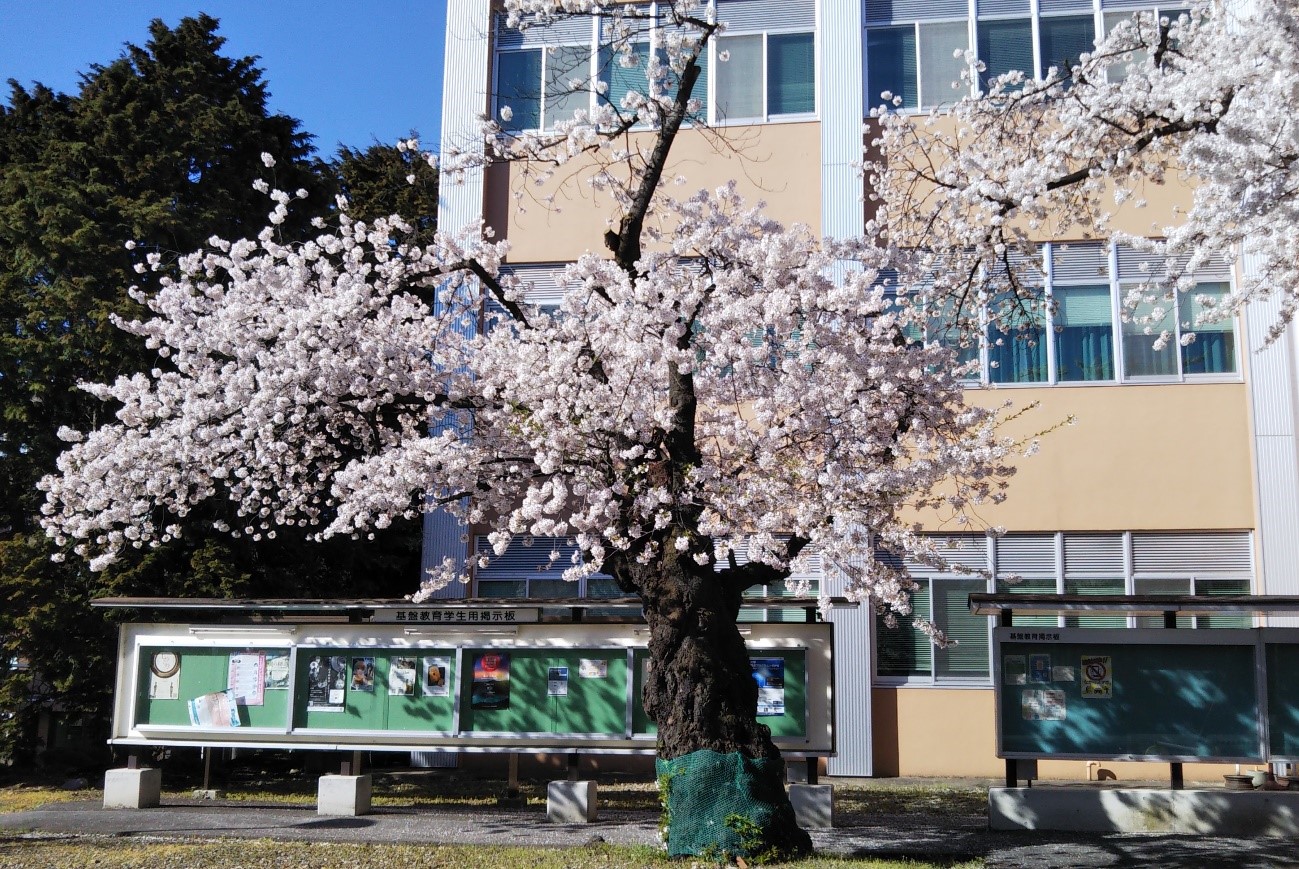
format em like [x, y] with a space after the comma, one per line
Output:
[769, 673]
[436, 671]
[326, 683]
[592, 668]
[491, 688]
[1014, 671]
[363, 675]
[1039, 668]
[217, 709]
[164, 676]
[557, 682]
[1097, 677]
[401, 677]
[277, 671]
[246, 678]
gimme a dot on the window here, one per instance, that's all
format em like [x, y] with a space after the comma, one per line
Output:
[538, 87]
[1071, 332]
[1063, 41]
[766, 75]
[1084, 333]
[1118, 71]
[1005, 45]
[530, 571]
[1212, 350]
[917, 63]
[1206, 563]
[1017, 350]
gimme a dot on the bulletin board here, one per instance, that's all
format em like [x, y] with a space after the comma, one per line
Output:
[1127, 694]
[169, 677]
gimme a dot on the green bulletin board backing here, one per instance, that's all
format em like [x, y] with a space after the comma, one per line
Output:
[1283, 700]
[1156, 700]
[792, 723]
[591, 703]
[203, 671]
[377, 709]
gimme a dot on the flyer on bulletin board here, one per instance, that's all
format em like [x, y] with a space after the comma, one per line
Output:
[491, 689]
[246, 678]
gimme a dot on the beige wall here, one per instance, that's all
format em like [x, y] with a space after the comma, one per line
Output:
[1167, 457]
[952, 732]
[777, 163]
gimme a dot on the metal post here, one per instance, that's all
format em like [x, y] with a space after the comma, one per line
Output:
[207, 768]
[512, 785]
[1011, 779]
[1170, 619]
[574, 767]
[1006, 618]
[813, 770]
[133, 760]
[1175, 776]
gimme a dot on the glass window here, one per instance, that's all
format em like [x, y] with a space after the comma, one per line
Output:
[1145, 585]
[1004, 46]
[1029, 585]
[740, 78]
[1223, 587]
[905, 650]
[1140, 331]
[969, 657]
[1213, 349]
[619, 78]
[518, 88]
[1095, 586]
[568, 82]
[791, 74]
[940, 66]
[1063, 42]
[1084, 333]
[891, 65]
[1017, 344]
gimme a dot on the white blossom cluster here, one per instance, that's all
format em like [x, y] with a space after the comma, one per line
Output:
[1206, 99]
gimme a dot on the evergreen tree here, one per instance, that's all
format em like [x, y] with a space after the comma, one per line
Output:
[156, 152]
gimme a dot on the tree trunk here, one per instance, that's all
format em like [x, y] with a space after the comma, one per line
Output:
[722, 778]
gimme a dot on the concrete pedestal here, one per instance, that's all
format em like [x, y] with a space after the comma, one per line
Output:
[132, 788]
[1211, 811]
[343, 795]
[813, 805]
[571, 802]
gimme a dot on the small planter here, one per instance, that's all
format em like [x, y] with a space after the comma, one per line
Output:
[1239, 782]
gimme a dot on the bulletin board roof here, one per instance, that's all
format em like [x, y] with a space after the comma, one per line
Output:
[363, 608]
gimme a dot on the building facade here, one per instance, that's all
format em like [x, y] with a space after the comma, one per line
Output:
[1181, 471]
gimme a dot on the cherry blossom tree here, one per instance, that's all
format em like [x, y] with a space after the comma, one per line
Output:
[1204, 98]
[707, 386]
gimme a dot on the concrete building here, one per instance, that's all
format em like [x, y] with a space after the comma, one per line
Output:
[1181, 472]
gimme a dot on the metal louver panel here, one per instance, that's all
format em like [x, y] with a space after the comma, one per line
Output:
[567, 31]
[521, 561]
[1093, 553]
[1199, 553]
[1127, 4]
[1139, 266]
[1026, 553]
[890, 11]
[544, 280]
[1002, 7]
[742, 15]
[1048, 6]
[965, 550]
[1082, 262]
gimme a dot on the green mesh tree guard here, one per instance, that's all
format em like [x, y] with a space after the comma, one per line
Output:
[728, 804]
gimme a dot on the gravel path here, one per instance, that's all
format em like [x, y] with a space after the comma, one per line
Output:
[885, 836]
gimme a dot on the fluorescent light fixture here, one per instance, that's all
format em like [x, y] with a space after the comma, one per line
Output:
[493, 632]
[243, 630]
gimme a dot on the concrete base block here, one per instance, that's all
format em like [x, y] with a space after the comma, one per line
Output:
[1214, 812]
[813, 805]
[343, 795]
[132, 788]
[571, 802]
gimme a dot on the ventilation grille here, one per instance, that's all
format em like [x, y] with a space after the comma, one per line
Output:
[1093, 553]
[890, 11]
[1082, 263]
[567, 31]
[742, 15]
[1211, 552]
[1026, 553]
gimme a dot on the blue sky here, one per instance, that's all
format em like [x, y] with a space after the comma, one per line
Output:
[352, 71]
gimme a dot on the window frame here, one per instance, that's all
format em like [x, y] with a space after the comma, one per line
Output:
[546, 52]
[765, 116]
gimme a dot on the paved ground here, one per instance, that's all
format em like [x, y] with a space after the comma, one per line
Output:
[884, 837]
